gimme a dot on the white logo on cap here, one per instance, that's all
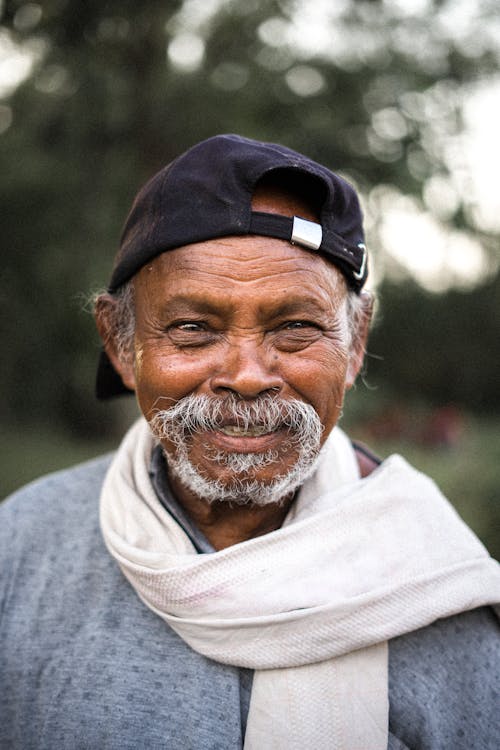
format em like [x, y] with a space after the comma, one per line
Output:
[358, 276]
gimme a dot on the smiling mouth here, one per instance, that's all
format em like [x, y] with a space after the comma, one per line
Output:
[232, 430]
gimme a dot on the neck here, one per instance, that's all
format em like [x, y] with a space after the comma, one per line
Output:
[225, 524]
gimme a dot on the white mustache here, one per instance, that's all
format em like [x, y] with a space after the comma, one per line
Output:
[267, 413]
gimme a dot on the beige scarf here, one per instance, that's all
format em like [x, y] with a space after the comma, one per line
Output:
[310, 606]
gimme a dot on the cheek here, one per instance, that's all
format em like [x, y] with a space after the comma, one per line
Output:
[316, 376]
[321, 381]
[163, 377]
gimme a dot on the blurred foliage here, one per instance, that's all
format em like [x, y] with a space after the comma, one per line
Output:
[118, 88]
[443, 348]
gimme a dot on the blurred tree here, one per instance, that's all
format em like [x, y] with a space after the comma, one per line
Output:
[118, 88]
[439, 348]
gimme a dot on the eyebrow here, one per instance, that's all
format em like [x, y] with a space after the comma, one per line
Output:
[186, 304]
[183, 302]
[307, 305]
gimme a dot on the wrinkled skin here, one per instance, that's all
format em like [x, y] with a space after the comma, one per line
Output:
[244, 315]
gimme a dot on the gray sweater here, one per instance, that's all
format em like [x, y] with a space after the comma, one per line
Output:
[84, 664]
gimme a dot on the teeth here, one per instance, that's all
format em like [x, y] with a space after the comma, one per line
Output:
[235, 431]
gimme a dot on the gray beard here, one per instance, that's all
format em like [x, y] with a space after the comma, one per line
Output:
[201, 413]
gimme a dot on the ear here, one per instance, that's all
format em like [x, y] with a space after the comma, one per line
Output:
[107, 322]
[359, 337]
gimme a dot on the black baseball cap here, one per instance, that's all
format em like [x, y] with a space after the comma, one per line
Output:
[207, 193]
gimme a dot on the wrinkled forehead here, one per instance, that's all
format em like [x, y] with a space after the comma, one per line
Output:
[244, 278]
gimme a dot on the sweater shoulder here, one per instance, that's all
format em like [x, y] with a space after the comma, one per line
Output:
[444, 681]
[72, 479]
[67, 493]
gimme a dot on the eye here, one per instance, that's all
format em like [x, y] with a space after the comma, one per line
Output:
[189, 326]
[295, 335]
[186, 333]
[295, 325]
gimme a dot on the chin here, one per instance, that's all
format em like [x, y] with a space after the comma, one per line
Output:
[243, 479]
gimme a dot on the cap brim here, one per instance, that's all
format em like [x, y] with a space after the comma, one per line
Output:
[108, 382]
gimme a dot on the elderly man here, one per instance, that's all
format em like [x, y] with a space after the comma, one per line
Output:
[239, 573]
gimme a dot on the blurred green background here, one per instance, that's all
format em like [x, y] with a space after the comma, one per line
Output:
[401, 97]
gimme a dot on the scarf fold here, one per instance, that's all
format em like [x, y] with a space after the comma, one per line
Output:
[310, 606]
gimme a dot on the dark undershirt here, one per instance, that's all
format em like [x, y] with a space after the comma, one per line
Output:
[159, 479]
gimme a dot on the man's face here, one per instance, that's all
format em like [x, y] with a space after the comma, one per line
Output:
[244, 322]
[241, 317]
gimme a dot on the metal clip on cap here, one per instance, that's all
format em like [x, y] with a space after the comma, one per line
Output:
[359, 275]
[307, 233]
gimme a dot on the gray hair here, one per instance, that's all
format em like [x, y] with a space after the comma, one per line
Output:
[118, 310]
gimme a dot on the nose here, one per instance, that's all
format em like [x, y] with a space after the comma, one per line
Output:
[246, 370]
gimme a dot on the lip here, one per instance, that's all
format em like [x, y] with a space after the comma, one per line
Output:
[233, 430]
[245, 443]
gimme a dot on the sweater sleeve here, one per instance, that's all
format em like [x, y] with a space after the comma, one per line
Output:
[444, 682]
